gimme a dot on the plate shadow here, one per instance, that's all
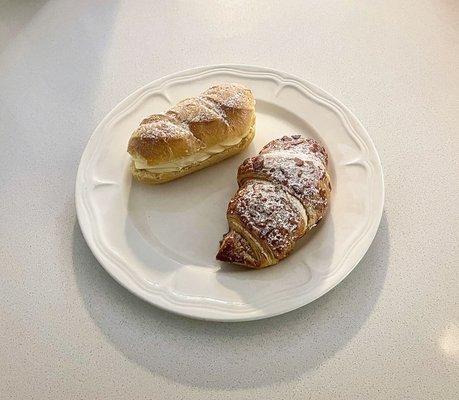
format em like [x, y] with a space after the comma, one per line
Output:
[219, 355]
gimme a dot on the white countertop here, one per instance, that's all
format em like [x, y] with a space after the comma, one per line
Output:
[389, 331]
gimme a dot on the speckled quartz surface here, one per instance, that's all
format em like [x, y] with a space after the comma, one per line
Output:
[388, 331]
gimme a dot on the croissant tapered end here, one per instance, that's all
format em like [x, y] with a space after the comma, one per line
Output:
[235, 249]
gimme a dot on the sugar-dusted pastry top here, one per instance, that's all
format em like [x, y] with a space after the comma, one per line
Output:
[299, 165]
[283, 192]
[268, 214]
[194, 129]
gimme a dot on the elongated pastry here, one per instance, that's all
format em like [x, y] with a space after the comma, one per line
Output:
[195, 133]
[283, 192]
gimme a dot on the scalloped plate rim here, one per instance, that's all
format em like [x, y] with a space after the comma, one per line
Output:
[200, 311]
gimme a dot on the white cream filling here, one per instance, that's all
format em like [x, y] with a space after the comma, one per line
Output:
[183, 162]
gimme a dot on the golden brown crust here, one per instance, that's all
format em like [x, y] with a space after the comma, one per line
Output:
[221, 113]
[145, 176]
[267, 218]
[283, 192]
[234, 248]
[162, 141]
[299, 165]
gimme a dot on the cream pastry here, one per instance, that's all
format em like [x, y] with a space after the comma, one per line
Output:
[195, 133]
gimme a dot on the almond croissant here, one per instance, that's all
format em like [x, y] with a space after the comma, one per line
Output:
[283, 192]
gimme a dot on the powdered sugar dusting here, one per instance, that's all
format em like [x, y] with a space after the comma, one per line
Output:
[197, 109]
[268, 214]
[214, 108]
[231, 95]
[162, 129]
[298, 165]
[211, 105]
[283, 191]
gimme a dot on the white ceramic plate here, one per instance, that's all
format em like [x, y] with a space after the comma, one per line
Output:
[160, 241]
